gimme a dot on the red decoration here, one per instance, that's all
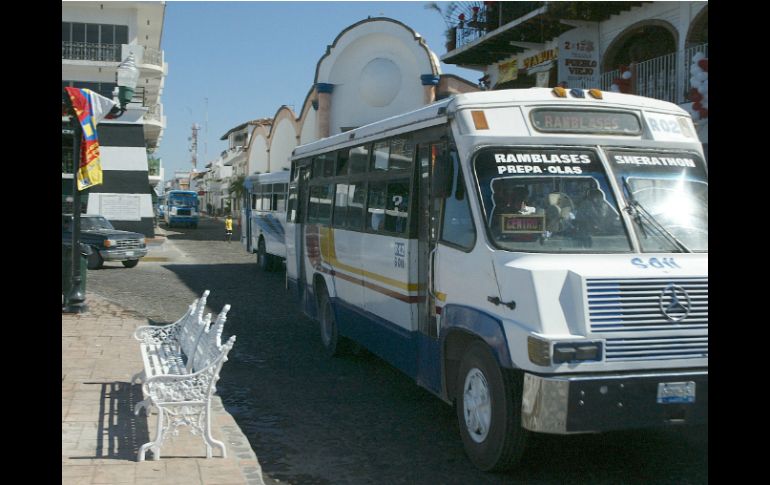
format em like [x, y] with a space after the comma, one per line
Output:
[695, 96]
[697, 106]
[623, 84]
[704, 64]
[704, 113]
[461, 17]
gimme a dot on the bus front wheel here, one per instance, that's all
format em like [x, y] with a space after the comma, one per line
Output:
[489, 411]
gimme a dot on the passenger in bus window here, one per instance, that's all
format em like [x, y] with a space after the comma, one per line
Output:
[513, 200]
[594, 215]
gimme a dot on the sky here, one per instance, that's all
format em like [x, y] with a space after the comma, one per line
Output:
[231, 62]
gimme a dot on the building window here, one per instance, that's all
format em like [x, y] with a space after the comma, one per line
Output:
[92, 42]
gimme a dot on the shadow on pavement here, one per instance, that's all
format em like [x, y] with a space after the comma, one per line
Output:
[119, 433]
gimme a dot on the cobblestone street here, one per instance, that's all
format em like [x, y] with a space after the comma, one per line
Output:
[356, 419]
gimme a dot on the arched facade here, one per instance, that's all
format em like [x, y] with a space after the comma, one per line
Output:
[645, 40]
[374, 69]
[258, 150]
[283, 139]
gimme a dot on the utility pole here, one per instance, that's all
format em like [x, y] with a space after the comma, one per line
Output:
[194, 145]
[206, 134]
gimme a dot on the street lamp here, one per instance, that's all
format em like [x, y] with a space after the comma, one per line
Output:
[127, 77]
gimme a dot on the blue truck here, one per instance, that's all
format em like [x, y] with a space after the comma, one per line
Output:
[181, 207]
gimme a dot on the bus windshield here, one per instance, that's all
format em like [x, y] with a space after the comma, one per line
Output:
[182, 200]
[548, 200]
[670, 191]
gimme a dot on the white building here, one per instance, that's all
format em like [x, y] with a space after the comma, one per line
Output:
[586, 45]
[374, 69]
[96, 37]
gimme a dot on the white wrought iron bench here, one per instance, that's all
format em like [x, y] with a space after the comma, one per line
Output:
[180, 385]
[164, 348]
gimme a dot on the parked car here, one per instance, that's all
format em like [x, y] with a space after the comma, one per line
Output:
[108, 243]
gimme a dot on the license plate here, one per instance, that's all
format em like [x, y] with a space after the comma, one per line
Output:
[129, 253]
[676, 392]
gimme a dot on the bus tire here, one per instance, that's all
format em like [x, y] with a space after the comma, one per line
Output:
[263, 259]
[334, 345]
[130, 263]
[489, 411]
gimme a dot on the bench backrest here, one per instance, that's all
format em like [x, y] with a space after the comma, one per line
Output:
[209, 343]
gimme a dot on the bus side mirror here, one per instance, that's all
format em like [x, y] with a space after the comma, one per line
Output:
[442, 177]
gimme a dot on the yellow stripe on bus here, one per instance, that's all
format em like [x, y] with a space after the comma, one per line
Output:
[329, 254]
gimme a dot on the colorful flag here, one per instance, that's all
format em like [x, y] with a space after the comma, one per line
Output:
[90, 108]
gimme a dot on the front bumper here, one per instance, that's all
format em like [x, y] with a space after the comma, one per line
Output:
[122, 254]
[187, 219]
[597, 403]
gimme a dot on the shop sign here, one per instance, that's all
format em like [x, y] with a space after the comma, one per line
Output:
[540, 58]
[507, 71]
[579, 57]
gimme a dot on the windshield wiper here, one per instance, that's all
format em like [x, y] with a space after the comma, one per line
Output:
[637, 211]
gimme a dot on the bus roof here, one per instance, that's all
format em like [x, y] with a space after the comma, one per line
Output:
[266, 178]
[436, 113]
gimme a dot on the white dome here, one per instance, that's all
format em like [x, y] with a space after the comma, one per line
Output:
[380, 82]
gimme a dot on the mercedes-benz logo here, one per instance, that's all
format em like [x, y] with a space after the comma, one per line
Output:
[675, 303]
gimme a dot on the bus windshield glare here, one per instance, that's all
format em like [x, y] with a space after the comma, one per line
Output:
[182, 200]
[548, 200]
[672, 192]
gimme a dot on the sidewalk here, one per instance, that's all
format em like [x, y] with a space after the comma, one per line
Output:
[100, 433]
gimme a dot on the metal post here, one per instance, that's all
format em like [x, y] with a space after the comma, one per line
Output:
[76, 298]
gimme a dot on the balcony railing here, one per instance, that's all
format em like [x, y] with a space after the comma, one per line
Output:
[659, 78]
[154, 113]
[153, 56]
[83, 51]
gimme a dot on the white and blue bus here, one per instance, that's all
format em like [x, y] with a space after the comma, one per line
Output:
[181, 208]
[537, 257]
[264, 218]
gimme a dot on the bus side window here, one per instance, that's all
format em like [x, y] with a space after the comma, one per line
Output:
[457, 227]
[376, 206]
[397, 208]
[340, 205]
[356, 201]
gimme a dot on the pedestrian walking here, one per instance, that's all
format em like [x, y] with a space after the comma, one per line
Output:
[228, 228]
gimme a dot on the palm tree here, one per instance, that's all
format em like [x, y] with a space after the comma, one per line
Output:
[236, 188]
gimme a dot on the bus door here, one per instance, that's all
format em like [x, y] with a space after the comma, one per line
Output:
[299, 235]
[246, 220]
[429, 206]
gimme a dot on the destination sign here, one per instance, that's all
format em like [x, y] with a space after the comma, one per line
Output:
[585, 121]
[522, 224]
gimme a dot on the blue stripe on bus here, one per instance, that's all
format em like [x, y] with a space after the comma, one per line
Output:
[476, 322]
[271, 226]
[384, 339]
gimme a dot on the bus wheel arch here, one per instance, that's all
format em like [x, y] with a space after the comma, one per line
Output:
[455, 345]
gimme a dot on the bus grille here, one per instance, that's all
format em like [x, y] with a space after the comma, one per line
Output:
[629, 314]
[183, 212]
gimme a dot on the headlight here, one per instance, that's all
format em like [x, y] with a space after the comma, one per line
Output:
[141, 241]
[108, 243]
[543, 353]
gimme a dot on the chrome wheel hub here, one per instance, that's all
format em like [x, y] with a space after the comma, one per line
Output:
[477, 405]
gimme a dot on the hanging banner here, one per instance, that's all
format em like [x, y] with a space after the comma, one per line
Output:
[507, 71]
[90, 108]
[579, 57]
